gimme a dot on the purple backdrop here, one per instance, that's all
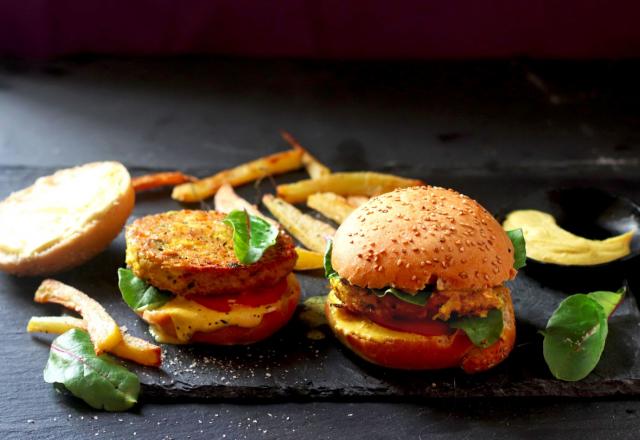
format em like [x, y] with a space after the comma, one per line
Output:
[323, 29]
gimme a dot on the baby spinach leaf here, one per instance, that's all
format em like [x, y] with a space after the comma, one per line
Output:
[328, 268]
[138, 294]
[483, 332]
[519, 248]
[575, 336]
[98, 380]
[419, 299]
[252, 235]
[608, 300]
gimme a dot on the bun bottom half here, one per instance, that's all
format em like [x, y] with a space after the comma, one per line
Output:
[410, 351]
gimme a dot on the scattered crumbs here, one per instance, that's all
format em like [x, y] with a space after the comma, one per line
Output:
[315, 335]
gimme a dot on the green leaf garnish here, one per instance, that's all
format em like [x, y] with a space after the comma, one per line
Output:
[576, 333]
[483, 332]
[608, 300]
[328, 268]
[252, 235]
[98, 380]
[519, 248]
[419, 299]
[138, 294]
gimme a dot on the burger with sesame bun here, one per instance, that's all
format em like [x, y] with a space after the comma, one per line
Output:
[417, 281]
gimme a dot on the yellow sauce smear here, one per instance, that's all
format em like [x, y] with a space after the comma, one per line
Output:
[549, 243]
[189, 317]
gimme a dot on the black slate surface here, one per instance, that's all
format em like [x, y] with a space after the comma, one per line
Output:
[290, 366]
[533, 124]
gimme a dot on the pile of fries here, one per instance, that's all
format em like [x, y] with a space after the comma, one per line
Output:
[104, 332]
[333, 195]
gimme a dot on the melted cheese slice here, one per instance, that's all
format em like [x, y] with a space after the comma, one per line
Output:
[348, 323]
[56, 207]
[189, 317]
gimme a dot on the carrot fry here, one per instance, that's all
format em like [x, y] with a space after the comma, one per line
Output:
[157, 180]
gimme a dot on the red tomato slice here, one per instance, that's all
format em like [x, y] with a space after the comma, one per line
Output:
[424, 327]
[251, 298]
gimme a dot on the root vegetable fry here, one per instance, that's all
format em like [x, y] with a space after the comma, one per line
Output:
[309, 231]
[138, 350]
[226, 200]
[131, 348]
[277, 163]
[103, 330]
[331, 206]
[357, 183]
[157, 180]
[308, 260]
[356, 201]
[56, 325]
[314, 167]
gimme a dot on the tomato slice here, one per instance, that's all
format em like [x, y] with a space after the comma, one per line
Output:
[424, 327]
[252, 298]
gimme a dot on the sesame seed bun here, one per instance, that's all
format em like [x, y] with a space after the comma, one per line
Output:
[422, 235]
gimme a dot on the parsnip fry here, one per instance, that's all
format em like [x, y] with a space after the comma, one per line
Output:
[131, 348]
[54, 324]
[278, 163]
[356, 201]
[359, 183]
[314, 167]
[226, 200]
[157, 180]
[308, 260]
[138, 350]
[330, 205]
[103, 330]
[309, 231]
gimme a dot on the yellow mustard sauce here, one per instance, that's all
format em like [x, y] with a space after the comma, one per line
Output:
[549, 243]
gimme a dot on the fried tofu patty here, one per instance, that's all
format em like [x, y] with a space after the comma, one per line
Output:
[191, 253]
[441, 303]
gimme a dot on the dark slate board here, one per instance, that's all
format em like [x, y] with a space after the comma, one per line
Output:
[290, 366]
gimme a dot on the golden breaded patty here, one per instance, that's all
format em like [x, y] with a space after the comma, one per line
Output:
[441, 303]
[191, 253]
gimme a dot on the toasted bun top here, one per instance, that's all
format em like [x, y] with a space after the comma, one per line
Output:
[64, 219]
[422, 235]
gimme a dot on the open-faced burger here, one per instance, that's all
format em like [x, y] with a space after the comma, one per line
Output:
[208, 277]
